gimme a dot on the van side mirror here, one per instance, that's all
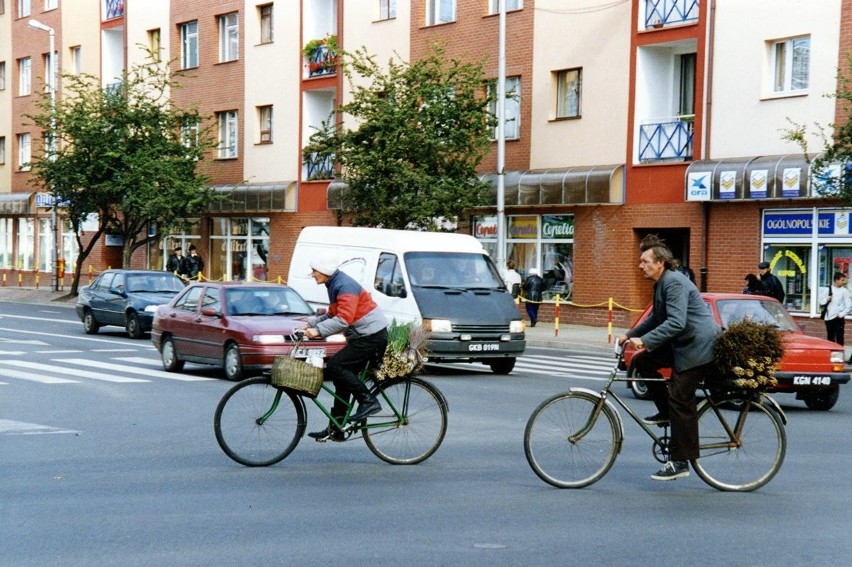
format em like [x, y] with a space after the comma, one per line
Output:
[321, 311]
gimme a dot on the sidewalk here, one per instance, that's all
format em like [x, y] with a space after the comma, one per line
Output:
[544, 334]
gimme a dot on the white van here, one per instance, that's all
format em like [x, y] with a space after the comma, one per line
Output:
[445, 281]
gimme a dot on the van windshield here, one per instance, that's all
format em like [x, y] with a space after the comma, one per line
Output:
[452, 269]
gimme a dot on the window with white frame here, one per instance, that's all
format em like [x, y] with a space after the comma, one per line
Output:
[155, 44]
[45, 245]
[7, 252]
[24, 8]
[512, 121]
[229, 37]
[267, 30]
[227, 133]
[387, 9]
[189, 45]
[25, 76]
[189, 132]
[76, 60]
[2, 150]
[494, 5]
[440, 11]
[264, 115]
[26, 243]
[50, 5]
[24, 151]
[2, 75]
[791, 64]
[568, 90]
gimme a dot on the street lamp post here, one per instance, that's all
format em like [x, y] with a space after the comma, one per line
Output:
[501, 138]
[51, 84]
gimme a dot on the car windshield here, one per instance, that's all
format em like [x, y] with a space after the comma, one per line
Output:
[265, 301]
[156, 283]
[760, 311]
[452, 269]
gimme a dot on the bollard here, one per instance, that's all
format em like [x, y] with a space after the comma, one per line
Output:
[36, 280]
[20, 279]
[4, 278]
[556, 318]
[609, 323]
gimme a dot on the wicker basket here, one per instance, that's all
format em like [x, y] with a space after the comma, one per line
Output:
[296, 375]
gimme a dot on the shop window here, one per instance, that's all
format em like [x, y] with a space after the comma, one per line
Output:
[7, 252]
[791, 264]
[239, 249]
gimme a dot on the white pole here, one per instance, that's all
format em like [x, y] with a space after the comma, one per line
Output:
[51, 84]
[501, 139]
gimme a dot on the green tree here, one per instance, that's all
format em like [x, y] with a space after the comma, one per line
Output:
[836, 140]
[420, 131]
[122, 152]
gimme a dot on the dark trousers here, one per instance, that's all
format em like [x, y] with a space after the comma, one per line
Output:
[343, 368]
[835, 329]
[532, 311]
[675, 398]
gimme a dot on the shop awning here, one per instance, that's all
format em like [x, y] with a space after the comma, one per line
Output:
[749, 178]
[256, 198]
[589, 185]
[15, 203]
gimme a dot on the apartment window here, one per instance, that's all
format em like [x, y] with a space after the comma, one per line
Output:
[23, 8]
[2, 6]
[2, 150]
[791, 63]
[229, 37]
[189, 133]
[266, 28]
[440, 11]
[24, 152]
[25, 78]
[512, 122]
[568, 93]
[494, 5]
[154, 44]
[2, 74]
[46, 61]
[686, 94]
[227, 133]
[50, 5]
[189, 45]
[387, 9]
[76, 60]
[264, 114]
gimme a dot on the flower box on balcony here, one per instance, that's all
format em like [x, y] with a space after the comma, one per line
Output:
[322, 55]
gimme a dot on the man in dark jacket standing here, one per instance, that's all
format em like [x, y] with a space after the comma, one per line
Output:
[192, 265]
[769, 282]
[533, 286]
[680, 333]
[175, 261]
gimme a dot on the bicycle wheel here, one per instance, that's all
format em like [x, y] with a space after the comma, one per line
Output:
[557, 452]
[257, 424]
[415, 436]
[748, 465]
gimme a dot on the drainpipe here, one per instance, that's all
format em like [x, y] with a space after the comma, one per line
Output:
[705, 147]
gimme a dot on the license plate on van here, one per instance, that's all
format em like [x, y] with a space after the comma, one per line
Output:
[306, 352]
[483, 347]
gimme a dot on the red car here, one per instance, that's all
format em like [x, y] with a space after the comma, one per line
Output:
[237, 326]
[812, 368]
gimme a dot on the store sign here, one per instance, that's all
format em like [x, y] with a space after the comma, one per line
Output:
[800, 223]
[758, 184]
[485, 227]
[699, 186]
[556, 227]
[791, 181]
[728, 185]
[523, 227]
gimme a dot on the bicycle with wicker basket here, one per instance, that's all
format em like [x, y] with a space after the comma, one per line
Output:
[261, 420]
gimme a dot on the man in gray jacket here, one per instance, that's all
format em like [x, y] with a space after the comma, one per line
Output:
[680, 333]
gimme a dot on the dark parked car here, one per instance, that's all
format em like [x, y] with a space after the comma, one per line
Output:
[811, 367]
[237, 326]
[126, 298]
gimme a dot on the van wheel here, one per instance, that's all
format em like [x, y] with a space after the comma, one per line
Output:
[502, 365]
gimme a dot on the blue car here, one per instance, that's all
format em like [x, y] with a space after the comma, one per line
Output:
[126, 298]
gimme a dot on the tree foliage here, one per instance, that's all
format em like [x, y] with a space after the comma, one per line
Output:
[418, 131]
[121, 154]
[836, 142]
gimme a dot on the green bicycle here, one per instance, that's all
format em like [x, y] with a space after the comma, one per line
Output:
[258, 424]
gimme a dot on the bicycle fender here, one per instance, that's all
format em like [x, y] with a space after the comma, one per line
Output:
[612, 408]
[768, 401]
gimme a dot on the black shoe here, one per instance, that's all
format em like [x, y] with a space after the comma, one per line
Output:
[365, 409]
[329, 433]
[672, 470]
[657, 419]
[532, 324]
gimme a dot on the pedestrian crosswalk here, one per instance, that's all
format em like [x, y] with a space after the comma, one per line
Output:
[71, 370]
[588, 366]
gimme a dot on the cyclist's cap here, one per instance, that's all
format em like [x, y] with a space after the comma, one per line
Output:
[533, 272]
[323, 265]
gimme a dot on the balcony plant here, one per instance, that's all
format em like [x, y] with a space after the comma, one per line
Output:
[322, 54]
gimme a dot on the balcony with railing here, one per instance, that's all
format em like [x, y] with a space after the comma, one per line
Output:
[661, 13]
[662, 140]
[318, 168]
[322, 58]
[113, 9]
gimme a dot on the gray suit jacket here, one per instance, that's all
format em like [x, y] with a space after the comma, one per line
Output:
[679, 320]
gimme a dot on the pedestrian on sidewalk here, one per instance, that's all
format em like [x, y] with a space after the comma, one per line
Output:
[838, 305]
[533, 286]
